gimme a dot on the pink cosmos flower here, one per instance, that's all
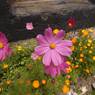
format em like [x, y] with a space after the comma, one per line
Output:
[29, 26]
[4, 47]
[55, 70]
[53, 48]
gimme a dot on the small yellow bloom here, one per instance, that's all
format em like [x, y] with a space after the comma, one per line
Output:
[81, 55]
[87, 71]
[74, 40]
[90, 51]
[68, 70]
[85, 32]
[72, 48]
[65, 89]
[19, 48]
[94, 58]
[88, 44]
[36, 84]
[81, 59]
[91, 47]
[85, 47]
[89, 40]
[55, 31]
[5, 66]
[1, 45]
[81, 48]
[8, 82]
[68, 62]
[67, 82]
[43, 81]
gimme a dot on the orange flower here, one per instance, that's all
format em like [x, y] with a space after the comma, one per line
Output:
[65, 89]
[8, 82]
[81, 59]
[81, 55]
[68, 62]
[36, 84]
[74, 40]
[72, 48]
[43, 81]
[68, 70]
[85, 32]
[76, 66]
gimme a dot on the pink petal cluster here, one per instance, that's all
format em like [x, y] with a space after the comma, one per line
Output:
[4, 47]
[29, 26]
[54, 51]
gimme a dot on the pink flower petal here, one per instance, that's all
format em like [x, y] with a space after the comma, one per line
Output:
[49, 34]
[47, 58]
[41, 39]
[40, 50]
[56, 58]
[65, 43]
[60, 34]
[29, 26]
[64, 51]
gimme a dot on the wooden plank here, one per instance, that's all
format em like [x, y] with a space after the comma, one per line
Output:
[35, 7]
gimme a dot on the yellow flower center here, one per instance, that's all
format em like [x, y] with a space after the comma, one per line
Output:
[1, 45]
[52, 45]
[55, 31]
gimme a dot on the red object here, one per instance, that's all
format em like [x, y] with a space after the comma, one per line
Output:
[71, 22]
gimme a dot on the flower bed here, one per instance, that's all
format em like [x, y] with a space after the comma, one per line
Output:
[55, 63]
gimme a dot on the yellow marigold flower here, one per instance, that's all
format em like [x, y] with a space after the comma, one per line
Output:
[8, 82]
[55, 31]
[89, 44]
[65, 89]
[68, 70]
[89, 40]
[43, 81]
[72, 48]
[5, 66]
[87, 71]
[81, 55]
[81, 48]
[76, 66]
[68, 62]
[91, 47]
[90, 51]
[74, 40]
[94, 58]
[85, 32]
[36, 84]
[81, 59]
[67, 82]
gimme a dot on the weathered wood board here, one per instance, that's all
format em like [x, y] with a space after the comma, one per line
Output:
[37, 7]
